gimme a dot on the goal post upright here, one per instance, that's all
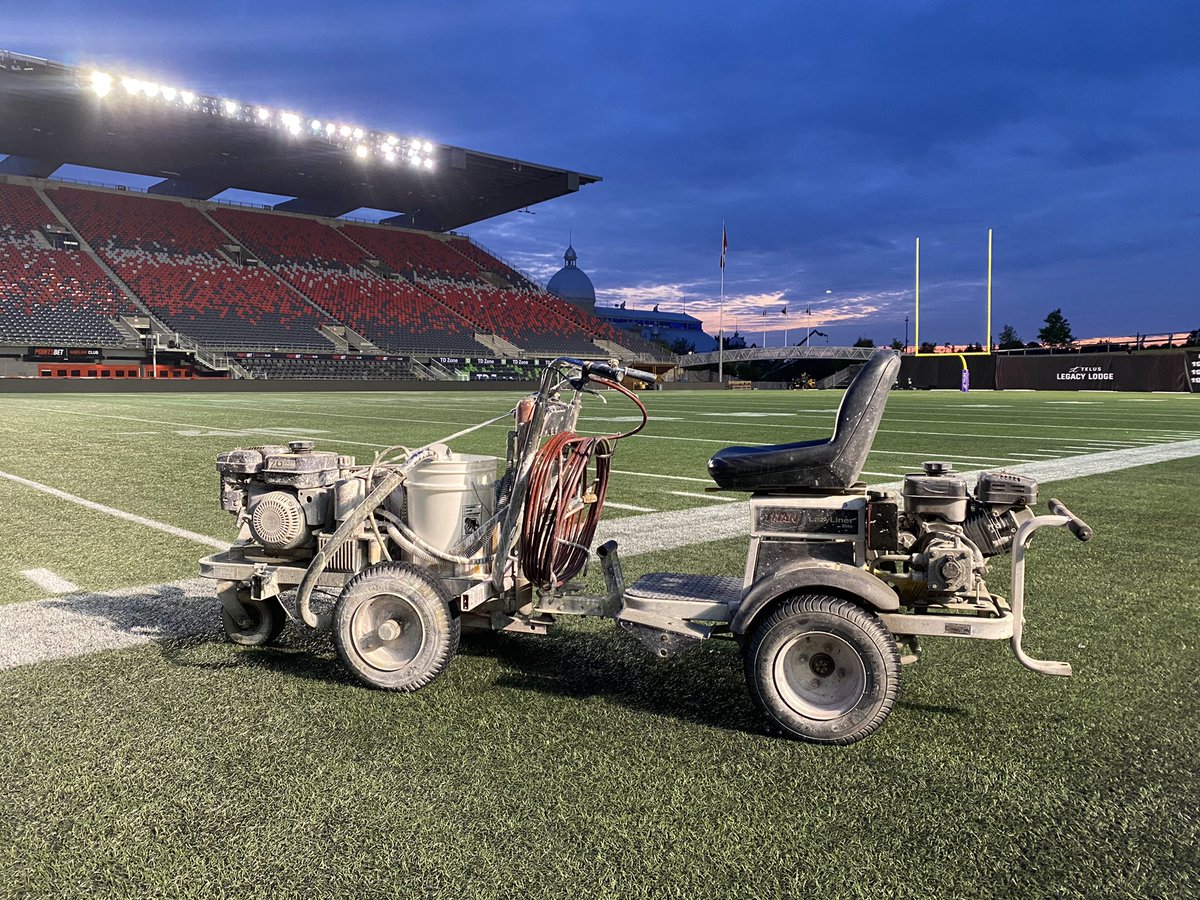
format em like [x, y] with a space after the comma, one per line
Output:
[987, 341]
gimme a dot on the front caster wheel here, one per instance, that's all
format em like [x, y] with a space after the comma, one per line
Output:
[263, 623]
[823, 669]
[393, 628]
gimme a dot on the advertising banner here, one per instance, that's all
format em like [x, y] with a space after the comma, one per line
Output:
[64, 354]
[1193, 370]
[1092, 372]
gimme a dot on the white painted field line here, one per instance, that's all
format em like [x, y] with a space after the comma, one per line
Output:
[50, 582]
[716, 497]
[615, 505]
[119, 513]
[682, 528]
[656, 475]
[880, 474]
[61, 628]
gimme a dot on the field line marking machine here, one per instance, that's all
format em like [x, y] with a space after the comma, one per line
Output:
[840, 584]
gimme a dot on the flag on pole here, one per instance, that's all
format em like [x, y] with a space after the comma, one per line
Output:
[808, 312]
[724, 245]
[783, 311]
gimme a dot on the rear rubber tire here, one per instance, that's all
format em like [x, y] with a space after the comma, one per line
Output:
[823, 669]
[267, 620]
[393, 627]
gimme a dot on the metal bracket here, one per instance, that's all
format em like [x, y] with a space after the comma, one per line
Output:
[664, 637]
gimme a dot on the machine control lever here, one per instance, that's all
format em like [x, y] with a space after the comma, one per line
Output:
[1078, 527]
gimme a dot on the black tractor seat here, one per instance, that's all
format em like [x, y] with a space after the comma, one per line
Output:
[834, 464]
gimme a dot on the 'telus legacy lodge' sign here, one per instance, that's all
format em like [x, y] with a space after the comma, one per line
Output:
[1098, 372]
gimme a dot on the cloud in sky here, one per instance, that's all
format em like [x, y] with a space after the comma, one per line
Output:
[827, 137]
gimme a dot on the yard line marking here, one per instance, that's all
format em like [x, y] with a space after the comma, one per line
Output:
[119, 513]
[703, 496]
[134, 432]
[615, 505]
[880, 474]
[656, 475]
[48, 581]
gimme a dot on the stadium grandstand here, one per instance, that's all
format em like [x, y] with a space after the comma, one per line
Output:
[170, 282]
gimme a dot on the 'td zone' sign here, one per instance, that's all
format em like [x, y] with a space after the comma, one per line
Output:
[1193, 371]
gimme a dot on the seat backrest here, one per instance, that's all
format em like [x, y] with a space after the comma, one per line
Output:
[860, 412]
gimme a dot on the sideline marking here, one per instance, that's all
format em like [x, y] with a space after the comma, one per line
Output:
[120, 513]
[48, 581]
[60, 628]
[716, 497]
[615, 505]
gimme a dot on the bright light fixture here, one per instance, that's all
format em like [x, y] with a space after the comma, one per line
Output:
[316, 124]
[231, 108]
[101, 83]
[263, 114]
[187, 97]
[429, 162]
[428, 147]
[290, 120]
[330, 128]
[358, 133]
[169, 94]
[131, 85]
[150, 88]
[389, 156]
[361, 151]
[413, 160]
[392, 140]
[344, 131]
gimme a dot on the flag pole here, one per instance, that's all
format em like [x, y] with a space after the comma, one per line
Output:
[721, 320]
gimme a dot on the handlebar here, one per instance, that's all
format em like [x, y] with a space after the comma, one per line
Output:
[615, 373]
[1078, 527]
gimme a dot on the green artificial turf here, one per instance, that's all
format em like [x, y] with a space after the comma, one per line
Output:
[577, 765]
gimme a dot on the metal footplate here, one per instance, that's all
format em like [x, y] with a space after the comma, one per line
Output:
[659, 608]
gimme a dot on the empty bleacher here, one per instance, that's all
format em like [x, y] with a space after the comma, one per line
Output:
[48, 295]
[169, 254]
[333, 272]
[326, 368]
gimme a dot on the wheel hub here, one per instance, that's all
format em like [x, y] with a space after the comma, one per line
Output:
[387, 632]
[820, 675]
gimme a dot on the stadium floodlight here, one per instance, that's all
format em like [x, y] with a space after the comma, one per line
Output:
[231, 108]
[291, 121]
[330, 128]
[358, 133]
[315, 124]
[169, 94]
[428, 147]
[131, 85]
[344, 131]
[392, 140]
[429, 162]
[389, 156]
[150, 88]
[263, 114]
[187, 97]
[101, 83]
[414, 160]
[361, 151]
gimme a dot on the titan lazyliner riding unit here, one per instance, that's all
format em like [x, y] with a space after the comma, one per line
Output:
[839, 577]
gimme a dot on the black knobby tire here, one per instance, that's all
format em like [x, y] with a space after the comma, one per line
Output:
[823, 669]
[267, 619]
[393, 627]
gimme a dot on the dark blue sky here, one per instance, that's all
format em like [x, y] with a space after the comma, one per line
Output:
[827, 136]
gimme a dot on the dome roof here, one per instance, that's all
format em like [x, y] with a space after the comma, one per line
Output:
[571, 282]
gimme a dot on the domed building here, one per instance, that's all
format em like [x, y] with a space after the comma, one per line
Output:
[571, 283]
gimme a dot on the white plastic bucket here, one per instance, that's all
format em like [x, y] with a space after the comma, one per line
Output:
[450, 498]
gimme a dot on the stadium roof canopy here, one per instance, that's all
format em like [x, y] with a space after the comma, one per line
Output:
[52, 114]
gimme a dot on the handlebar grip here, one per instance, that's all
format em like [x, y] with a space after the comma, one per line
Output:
[1078, 527]
[645, 377]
